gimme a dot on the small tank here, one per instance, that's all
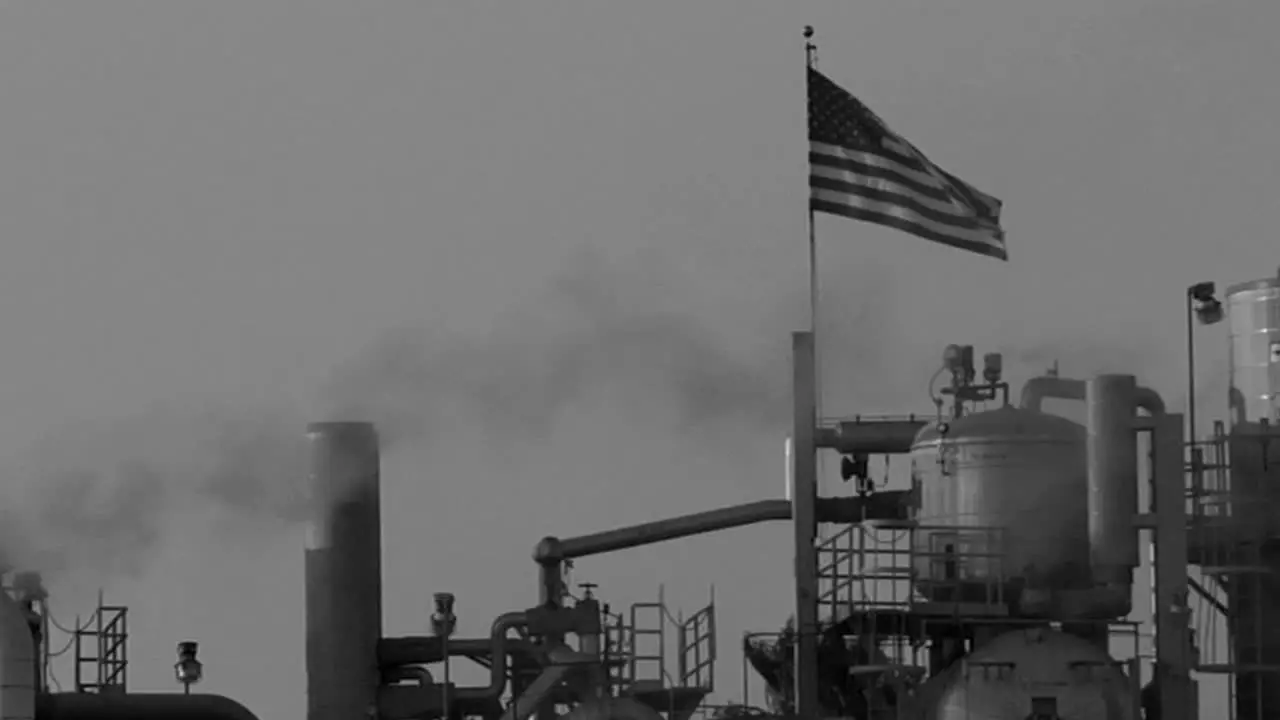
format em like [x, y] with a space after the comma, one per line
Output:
[1030, 673]
[1002, 505]
[1253, 312]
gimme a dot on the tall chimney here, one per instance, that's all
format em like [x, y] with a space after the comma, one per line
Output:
[343, 571]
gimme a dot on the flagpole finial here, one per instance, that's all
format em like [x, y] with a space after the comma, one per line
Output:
[808, 32]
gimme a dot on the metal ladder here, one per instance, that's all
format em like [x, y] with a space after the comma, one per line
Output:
[102, 650]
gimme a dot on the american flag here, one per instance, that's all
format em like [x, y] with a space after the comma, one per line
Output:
[861, 169]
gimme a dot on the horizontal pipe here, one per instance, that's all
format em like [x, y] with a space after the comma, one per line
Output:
[890, 505]
[416, 673]
[555, 550]
[872, 437]
[139, 706]
[426, 649]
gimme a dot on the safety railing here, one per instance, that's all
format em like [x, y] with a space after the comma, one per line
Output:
[638, 645]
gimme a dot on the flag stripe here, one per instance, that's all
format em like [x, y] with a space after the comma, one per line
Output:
[831, 157]
[861, 169]
[922, 196]
[939, 211]
[898, 218]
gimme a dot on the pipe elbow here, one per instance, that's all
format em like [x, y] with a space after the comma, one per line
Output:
[548, 551]
[1037, 389]
[1149, 400]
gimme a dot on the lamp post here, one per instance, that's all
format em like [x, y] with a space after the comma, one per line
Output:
[1202, 305]
[188, 670]
[443, 622]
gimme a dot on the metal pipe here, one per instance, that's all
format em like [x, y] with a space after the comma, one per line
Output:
[343, 573]
[873, 437]
[1191, 367]
[406, 702]
[1112, 478]
[1144, 398]
[498, 653]
[804, 400]
[1172, 618]
[417, 673]
[1037, 389]
[556, 549]
[139, 706]
[425, 649]
[886, 505]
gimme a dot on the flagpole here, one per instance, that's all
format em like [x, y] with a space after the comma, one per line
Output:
[805, 472]
[811, 62]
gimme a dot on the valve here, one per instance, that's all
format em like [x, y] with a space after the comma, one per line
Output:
[586, 588]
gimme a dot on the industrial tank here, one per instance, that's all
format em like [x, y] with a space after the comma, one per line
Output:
[1253, 310]
[1002, 504]
[1024, 672]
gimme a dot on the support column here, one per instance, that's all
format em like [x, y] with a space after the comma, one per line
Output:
[1172, 613]
[343, 572]
[804, 498]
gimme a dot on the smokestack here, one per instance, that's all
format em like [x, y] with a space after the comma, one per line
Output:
[343, 571]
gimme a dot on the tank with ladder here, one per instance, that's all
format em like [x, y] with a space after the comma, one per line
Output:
[1002, 590]
[1234, 494]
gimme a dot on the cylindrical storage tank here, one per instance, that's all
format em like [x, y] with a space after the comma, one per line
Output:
[1253, 310]
[1003, 504]
[343, 572]
[1021, 673]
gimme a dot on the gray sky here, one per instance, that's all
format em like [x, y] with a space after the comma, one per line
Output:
[214, 205]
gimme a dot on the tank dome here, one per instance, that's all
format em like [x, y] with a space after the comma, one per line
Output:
[1026, 671]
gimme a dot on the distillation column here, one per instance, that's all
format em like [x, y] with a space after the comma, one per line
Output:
[343, 572]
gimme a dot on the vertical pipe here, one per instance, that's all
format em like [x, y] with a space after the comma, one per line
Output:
[1173, 615]
[804, 501]
[1192, 431]
[343, 572]
[1113, 478]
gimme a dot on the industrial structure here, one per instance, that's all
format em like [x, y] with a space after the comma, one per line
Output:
[996, 582]
[27, 691]
[993, 584]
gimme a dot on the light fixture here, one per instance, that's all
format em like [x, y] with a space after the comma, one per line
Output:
[188, 670]
[1204, 303]
[992, 368]
[443, 620]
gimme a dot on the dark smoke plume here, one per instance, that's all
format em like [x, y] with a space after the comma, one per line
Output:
[97, 496]
[591, 330]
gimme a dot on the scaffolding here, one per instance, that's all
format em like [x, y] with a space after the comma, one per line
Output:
[102, 661]
[1233, 489]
